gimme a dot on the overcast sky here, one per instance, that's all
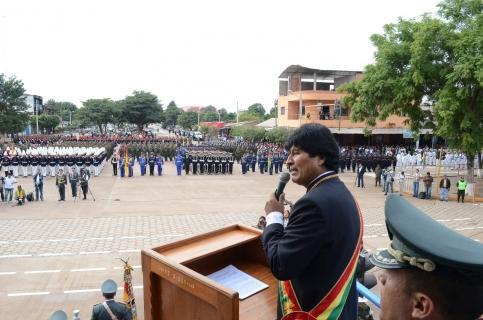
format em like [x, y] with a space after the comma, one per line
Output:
[194, 52]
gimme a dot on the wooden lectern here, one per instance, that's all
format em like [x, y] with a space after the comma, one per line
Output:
[175, 286]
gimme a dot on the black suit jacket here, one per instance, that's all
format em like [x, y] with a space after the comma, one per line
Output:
[317, 245]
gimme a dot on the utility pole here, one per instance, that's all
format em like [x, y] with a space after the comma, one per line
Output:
[300, 109]
[36, 116]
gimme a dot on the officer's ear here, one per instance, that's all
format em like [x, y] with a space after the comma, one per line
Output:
[422, 306]
[321, 161]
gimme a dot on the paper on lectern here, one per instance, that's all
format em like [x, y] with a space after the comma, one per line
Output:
[238, 280]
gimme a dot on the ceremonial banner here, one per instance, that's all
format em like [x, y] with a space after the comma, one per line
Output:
[128, 296]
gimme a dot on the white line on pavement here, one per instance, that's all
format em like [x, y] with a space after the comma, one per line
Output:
[132, 237]
[28, 294]
[120, 268]
[62, 240]
[443, 220]
[82, 290]
[7, 273]
[90, 239]
[15, 256]
[468, 228]
[462, 219]
[53, 254]
[95, 252]
[42, 271]
[134, 287]
[87, 269]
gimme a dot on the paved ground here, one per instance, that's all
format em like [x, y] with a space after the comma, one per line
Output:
[55, 255]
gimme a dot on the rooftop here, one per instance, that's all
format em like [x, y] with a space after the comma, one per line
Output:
[328, 74]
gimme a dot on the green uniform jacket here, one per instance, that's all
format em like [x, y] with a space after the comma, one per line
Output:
[119, 309]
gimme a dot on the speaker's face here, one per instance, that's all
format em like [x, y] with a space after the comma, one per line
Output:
[303, 168]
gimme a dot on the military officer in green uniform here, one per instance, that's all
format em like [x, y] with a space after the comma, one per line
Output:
[429, 271]
[110, 309]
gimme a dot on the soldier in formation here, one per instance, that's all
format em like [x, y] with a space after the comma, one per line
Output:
[26, 162]
[198, 161]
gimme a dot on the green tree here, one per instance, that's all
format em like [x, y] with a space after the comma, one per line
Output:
[98, 112]
[257, 109]
[65, 110]
[188, 120]
[227, 116]
[230, 117]
[13, 109]
[273, 113]
[209, 131]
[436, 59]
[207, 109]
[247, 116]
[278, 135]
[141, 109]
[209, 116]
[47, 122]
[249, 133]
[171, 115]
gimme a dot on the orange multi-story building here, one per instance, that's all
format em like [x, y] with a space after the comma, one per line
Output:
[309, 96]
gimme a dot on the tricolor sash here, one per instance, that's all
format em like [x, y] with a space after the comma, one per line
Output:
[331, 306]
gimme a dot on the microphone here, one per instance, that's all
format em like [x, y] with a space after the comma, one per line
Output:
[284, 178]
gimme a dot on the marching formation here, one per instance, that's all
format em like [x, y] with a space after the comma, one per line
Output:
[49, 160]
[204, 161]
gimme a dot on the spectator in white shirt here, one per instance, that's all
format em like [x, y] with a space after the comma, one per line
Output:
[9, 182]
[402, 182]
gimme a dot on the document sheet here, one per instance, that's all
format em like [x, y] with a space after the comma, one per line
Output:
[238, 280]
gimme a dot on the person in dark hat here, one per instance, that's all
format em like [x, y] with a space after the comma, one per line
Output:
[429, 271]
[315, 256]
[110, 309]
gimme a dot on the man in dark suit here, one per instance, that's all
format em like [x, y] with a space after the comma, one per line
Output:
[315, 255]
[361, 170]
[110, 309]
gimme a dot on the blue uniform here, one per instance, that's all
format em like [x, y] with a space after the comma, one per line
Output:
[121, 167]
[159, 163]
[131, 167]
[179, 164]
[142, 165]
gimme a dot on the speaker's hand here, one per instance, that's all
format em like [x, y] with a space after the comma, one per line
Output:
[275, 205]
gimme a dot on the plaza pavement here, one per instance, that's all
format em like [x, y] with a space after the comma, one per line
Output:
[54, 255]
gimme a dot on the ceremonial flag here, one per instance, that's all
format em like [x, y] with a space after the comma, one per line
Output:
[128, 296]
[126, 160]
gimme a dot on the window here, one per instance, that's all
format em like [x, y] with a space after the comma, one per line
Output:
[282, 111]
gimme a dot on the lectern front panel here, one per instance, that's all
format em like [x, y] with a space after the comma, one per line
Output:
[176, 286]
